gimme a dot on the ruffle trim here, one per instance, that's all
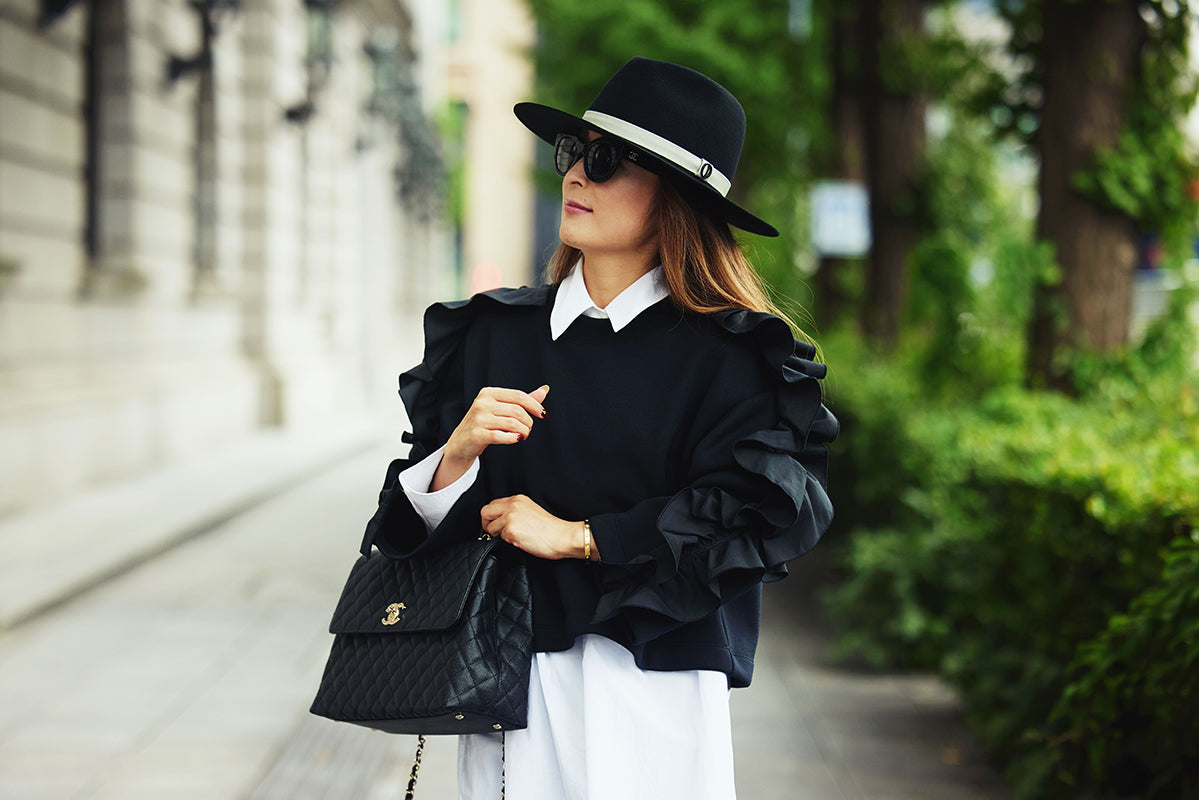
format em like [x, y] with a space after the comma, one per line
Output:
[705, 566]
[445, 325]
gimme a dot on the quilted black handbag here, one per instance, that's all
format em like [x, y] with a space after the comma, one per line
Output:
[432, 644]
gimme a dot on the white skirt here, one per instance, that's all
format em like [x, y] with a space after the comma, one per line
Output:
[602, 729]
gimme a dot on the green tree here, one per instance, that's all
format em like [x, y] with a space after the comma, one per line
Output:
[840, 153]
[894, 105]
[1100, 95]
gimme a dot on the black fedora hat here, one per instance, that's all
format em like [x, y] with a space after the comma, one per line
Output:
[689, 123]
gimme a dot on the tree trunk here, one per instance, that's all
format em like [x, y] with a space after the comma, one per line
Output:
[895, 145]
[1090, 54]
[845, 157]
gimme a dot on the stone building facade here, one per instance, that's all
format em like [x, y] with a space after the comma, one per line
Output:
[217, 218]
[488, 72]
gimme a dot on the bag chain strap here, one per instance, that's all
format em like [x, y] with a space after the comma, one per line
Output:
[420, 749]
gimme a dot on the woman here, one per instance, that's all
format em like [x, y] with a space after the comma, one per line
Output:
[645, 428]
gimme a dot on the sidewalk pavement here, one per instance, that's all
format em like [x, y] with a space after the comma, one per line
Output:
[809, 728]
[53, 553]
[189, 678]
[182, 678]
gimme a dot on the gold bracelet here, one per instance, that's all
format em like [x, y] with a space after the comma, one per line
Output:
[586, 540]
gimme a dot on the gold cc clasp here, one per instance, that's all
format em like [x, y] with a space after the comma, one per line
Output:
[393, 613]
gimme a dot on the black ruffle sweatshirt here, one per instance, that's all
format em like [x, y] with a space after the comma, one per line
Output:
[695, 444]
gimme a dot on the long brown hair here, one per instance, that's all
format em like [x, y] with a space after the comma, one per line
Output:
[703, 264]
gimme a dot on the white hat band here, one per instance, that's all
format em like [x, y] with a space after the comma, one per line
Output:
[663, 148]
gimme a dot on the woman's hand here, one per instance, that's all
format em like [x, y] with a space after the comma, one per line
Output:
[497, 416]
[527, 526]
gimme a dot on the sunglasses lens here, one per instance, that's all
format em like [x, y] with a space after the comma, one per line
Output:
[602, 160]
[567, 150]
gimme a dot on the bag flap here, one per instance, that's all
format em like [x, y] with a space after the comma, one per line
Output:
[421, 593]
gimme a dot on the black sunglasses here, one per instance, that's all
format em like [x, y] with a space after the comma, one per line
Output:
[600, 157]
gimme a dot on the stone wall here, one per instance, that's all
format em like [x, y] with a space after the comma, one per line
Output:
[244, 271]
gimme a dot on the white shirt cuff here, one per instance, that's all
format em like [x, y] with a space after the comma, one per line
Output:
[433, 506]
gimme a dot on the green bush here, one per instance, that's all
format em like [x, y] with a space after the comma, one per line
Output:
[1014, 540]
[1128, 722]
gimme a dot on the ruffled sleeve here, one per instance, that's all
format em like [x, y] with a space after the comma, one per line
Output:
[433, 393]
[756, 495]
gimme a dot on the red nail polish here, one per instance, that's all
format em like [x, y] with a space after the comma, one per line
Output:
[520, 437]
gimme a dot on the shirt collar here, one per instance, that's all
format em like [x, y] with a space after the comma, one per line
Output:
[573, 300]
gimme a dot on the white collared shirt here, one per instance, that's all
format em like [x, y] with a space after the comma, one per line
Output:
[571, 302]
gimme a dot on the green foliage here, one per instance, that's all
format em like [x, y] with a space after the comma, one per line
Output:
[972, 276]
[942, 64]
[875, 461]
[1003, 539]
[1129, 717]
[1011, 98]
[451, 124]
[1148, 174]
[1167, 348]
[1038, 550]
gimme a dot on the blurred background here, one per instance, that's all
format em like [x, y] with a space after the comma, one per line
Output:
[221, 220]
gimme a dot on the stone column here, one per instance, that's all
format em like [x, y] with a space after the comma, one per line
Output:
[270, 192]
[146, 153]
[226, 266]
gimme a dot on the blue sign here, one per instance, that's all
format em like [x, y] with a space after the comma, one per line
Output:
[840, 219]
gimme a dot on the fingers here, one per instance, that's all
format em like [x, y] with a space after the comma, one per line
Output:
[500, 506]
[490, 511]
[506, 416]
[497, 416]
[495, 527]
[494, 515]
[488, 415]
[523, 523]
[501, 422]
[516, 414]
[494, 436]
[530, 402]
[482, 427]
